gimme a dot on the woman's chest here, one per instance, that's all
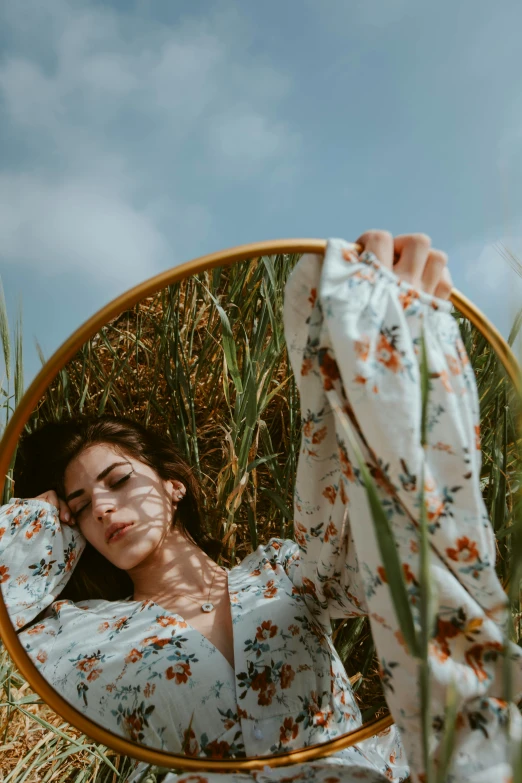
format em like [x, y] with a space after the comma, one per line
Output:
[215, 625]
[146, 658]
[258, 623]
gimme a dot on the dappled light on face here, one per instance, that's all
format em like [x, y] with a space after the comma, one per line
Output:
[205, 361]
[105, 491]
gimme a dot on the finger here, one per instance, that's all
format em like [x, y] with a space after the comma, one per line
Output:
[50, 497]
[444, 286]
[65, 513]
[435, 265]
[380, 243]
[413, 251]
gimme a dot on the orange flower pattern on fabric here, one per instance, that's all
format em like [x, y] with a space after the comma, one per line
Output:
[362, 354]
[266, 630]
[180, 672]
[134, 656]
[465, 552]
[146, 674]
[330, 494]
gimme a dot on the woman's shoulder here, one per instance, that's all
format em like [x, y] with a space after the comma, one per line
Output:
[65, 609]
[97, 606]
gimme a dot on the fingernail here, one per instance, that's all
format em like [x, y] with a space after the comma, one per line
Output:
[67, 516]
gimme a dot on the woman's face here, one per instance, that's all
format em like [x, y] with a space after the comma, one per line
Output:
[122, 507]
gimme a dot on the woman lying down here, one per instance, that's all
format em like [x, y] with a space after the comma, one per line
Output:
[185, 656]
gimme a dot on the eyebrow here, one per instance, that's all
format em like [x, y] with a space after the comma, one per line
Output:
[101, 476]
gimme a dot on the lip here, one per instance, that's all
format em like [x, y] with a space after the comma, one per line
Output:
[118, 529]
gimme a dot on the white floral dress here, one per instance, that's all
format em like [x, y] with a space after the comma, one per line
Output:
[352, 331]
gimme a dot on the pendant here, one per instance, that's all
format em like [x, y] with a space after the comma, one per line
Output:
[208, 607]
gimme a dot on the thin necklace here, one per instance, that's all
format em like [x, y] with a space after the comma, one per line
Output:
[207, 606]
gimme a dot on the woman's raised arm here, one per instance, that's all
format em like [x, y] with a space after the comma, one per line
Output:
[354, 327]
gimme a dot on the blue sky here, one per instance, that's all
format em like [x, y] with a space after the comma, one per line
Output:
[137, 135]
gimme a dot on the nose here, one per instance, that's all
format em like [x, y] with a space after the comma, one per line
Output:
[102, 508]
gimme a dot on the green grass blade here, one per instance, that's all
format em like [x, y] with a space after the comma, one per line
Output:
[4, 332]
[19, 362]
[278, 502]
[39, 351]
[229, 345]
[447, 745]
[426, 587]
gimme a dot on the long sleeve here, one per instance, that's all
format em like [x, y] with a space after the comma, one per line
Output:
[37, 557]
[353, 332]
[324, 565]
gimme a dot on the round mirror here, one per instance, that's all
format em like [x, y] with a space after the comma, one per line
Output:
[197, 355]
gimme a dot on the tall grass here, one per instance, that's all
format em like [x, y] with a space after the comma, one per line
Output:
[12, 379]
[205, 360]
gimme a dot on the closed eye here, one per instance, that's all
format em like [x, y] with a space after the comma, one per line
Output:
[112, 486]
[81, 510]
[122, 480]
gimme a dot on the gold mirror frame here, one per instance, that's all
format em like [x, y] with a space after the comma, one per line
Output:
[15, 428]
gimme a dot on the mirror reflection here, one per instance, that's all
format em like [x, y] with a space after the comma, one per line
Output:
[152, 560]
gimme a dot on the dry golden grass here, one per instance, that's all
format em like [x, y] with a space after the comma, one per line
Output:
[219, 381]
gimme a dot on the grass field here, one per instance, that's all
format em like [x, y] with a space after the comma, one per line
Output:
[206, 360]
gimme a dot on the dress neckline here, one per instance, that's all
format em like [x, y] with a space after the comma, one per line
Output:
[190, 627]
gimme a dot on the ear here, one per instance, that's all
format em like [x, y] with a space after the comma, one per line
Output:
[176, 490]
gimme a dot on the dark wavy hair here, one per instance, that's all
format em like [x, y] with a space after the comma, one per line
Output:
[43, 456]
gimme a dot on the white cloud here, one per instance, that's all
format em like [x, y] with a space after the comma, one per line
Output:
[481, 273]
[107, 73]
[31, 99]
[107, 108]
[245, 141]
[56, 226]
[488, 270]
